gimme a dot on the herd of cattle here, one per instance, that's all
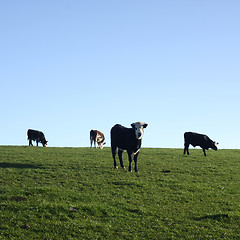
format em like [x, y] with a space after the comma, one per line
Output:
[129, 139]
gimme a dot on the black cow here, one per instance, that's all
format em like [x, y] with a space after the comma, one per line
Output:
[129, 139]
[34, 135]
[196, 139]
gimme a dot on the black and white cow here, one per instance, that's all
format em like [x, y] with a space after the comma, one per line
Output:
[196, 139]
[98, 138]
[129, 139]
[34, 135]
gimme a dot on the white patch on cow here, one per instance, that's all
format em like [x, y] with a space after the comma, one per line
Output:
[216, 144]
[138, 127]
[136, 152]
[99, 140]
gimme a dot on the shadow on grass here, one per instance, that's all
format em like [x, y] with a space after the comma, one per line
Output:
[18, 165]
[216, 217]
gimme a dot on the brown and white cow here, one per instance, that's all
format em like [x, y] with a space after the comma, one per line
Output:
[98, 138]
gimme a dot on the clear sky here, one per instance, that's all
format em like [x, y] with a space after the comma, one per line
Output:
[71, 66]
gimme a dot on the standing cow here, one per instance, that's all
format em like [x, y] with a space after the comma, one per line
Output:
[196, 139]
[34, 135]
[98, 138]
[129, 139]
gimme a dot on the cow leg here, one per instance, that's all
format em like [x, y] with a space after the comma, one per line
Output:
[130, 161]
[95, 142]
[204, 151]
[120, 155]
[30, 142]
[114, 152]
[91, 141]
[135, 160]
[186, 146]
[37, 143]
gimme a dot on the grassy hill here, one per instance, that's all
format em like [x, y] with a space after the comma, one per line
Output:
[75, 193]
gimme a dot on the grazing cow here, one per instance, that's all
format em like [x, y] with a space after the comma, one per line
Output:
[129, 139]
[196, 139]
[34, 135]
[98, 138]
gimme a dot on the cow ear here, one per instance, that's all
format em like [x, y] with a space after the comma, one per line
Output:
[145, 125]
[133, 125]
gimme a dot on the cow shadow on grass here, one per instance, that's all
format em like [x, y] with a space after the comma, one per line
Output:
[216, 217]
[18, 165]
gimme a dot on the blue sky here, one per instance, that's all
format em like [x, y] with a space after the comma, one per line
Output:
[71, 66]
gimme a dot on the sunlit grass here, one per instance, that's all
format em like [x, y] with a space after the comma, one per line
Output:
[75, 193]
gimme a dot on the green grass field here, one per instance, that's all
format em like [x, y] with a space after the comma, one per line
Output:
[75, 193]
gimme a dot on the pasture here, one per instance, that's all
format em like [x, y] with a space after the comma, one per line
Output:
[75, 193]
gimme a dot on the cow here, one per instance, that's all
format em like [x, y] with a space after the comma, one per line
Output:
[98, 138]
[35, 135]
[129, 139]
[196, 139]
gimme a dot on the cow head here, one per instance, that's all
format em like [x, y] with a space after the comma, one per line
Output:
[44, 143]
[101, 144]
[138, 127]
[214, 146]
